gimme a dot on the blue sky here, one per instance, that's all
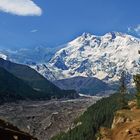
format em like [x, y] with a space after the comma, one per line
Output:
[55, 22]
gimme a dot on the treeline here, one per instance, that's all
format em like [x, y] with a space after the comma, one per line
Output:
[99, 114]
[137, 82]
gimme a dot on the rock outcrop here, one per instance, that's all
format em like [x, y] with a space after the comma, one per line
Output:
[125, 126]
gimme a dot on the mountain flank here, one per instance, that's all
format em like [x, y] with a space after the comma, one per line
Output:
[43, 88]
[14, 89]
[85, 85]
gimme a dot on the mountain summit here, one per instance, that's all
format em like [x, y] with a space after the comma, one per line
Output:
[103, 57]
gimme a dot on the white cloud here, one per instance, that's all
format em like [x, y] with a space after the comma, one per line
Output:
[134, 29]
[34, 31]
[20, 7]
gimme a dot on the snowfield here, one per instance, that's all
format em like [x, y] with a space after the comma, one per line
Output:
[103, 57]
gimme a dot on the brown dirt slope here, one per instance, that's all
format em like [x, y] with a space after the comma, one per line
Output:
[126, 126]
[10, 132]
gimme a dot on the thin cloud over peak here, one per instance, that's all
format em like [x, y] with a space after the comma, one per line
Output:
[20, 7]
[134, 29]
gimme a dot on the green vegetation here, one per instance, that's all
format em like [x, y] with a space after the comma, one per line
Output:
[99, 114]
[123, 84]
[36, 81]
[123, 90]
[13, 88]
[137, 82]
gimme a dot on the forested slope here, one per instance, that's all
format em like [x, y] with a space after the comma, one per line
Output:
[99, 114]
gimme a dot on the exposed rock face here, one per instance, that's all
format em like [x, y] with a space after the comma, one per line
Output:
[120, 119]
[126, 125]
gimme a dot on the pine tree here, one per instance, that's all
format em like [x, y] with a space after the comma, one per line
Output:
[123, 84]
[137, 82]
[123, 90]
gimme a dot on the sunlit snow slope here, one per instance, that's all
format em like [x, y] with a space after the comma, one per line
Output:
[103, 57]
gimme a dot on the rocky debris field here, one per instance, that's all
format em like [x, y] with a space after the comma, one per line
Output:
[126, 125]
[44, 119]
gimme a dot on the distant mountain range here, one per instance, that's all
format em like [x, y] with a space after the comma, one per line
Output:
[102, 57]
[30, 56]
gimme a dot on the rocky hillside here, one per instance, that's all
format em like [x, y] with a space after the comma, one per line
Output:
[10, 132]
[126, 125]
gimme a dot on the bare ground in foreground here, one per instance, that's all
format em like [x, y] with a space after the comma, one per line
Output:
[129, 130]
[126, 126]
[44, 119]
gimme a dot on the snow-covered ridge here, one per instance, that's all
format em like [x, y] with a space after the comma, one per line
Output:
[103, 57]
[3, 56]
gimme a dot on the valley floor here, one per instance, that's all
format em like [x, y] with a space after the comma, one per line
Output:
[44, 119]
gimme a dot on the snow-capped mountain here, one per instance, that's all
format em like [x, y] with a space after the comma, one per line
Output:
[3, 56]
[44, 70]
[103, 57]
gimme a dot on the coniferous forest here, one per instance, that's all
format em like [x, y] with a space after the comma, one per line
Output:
[98, 115]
